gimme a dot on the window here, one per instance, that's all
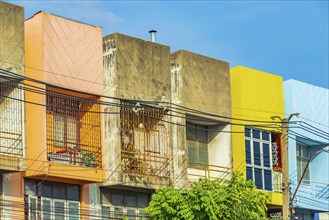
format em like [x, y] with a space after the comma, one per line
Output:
[51, 200]
[144, 140]
[197, 140]
[73, 130]
[258, 158]
[303, 154]
[118, 203]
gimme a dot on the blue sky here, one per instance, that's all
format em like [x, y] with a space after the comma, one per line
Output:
[287, 38]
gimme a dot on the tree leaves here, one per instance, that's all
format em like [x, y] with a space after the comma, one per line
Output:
[217, 199]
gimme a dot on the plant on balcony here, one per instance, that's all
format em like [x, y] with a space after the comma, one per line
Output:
[209, 199]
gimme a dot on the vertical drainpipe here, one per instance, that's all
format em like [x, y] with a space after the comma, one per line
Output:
[152, 35]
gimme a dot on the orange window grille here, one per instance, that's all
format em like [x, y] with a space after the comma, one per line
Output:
[73, 128]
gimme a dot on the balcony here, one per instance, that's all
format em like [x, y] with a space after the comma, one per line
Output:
[73, 128]
[211, 172]
[11, 127]
[144, 141]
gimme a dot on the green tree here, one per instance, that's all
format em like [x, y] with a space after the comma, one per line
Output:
[209, 199]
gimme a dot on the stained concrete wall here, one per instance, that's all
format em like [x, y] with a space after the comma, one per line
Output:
[138, 69]
[12, 38]
[133, 69]
[203, 84]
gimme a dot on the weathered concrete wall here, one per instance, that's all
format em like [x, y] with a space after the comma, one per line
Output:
[202, 83]
[12, 38]
[142, 67]
[133, 69]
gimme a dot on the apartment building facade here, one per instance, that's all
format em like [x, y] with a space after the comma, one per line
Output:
[64, 147]
[309, 136]
[256, 143]
[12, 114]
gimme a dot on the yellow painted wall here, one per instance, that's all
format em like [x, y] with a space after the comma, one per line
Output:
[38, 164]
[256, 95]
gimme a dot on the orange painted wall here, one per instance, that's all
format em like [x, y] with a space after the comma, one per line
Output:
[46, 36]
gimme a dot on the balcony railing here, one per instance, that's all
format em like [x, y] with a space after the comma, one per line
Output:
[11, 113]
[202, 170]
[73, 128]
[144, 141]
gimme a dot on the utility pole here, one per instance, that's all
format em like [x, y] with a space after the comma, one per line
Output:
[285, 166]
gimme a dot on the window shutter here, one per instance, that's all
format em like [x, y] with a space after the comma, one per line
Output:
[203, 153]
[192, 152]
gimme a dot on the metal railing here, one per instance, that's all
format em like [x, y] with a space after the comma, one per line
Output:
[144, 141]
[202, 170]
[73, 128]
[11, 119]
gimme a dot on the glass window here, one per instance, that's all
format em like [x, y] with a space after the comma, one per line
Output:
[303, 154]
[248, 152]
[73, 192]
[32, 208]
[257, 159]
[131, 199]
[197, 140]
[247, 132]
[268, 179]
[202, 132]
[266, 136]
[46, 208]
[74, 211]
[142, 200]
[59, 207]
[256, 134]
[266, 155]
[59, 191]
[117, 197]
[249, 173]
[30, 187]
[258, 178]
[46, 189]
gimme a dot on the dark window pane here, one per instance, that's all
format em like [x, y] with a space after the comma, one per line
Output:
[45, 189]
[268, 180]
[105, 196]
[248, 152]
[249, 173]
[73, 192]
[266, 135]
[142, 200]
[30, 187]
[59, 191]
[258, 178]
[247, 132]
[257, 160]
[266, 155]
[117, 197]
[202, 133]
[130, 199]
[190, 131]
[256, 134]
